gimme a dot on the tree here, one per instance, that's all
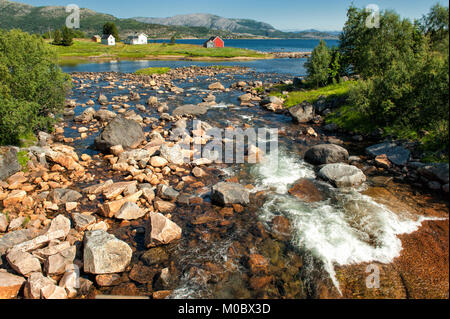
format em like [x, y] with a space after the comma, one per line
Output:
[318, 64]
[28, 103]
[435, 26]
[67, 36]
[172, 40]
[110, 28]
[57, 39]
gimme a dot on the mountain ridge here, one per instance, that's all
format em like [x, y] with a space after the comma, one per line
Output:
[44, 18]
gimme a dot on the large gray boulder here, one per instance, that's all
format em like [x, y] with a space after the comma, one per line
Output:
[190, 109]
[326, 154]
[104, 253]
[396, 154]
[230, 193]
[342, 175]
[302, 113]
[436, 172]
[9, 164]
[120, 131]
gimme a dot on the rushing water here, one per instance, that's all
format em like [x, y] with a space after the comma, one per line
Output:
[345, 228]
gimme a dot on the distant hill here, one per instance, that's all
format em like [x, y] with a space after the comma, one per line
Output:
[42, 19]
[241, 26]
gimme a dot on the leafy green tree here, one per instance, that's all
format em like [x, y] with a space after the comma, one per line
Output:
[172, 40]
[335, 70]
[405, 84]
[435, 26]
[57, 38]
[32, 86]
[67, 36]
[318, 64]
[110, 28]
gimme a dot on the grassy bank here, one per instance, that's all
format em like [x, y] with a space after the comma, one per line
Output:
[339, 90]
[89, 49]
[150, 71]
[350, 118]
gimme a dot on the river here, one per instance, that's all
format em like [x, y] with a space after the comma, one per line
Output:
[344, 228]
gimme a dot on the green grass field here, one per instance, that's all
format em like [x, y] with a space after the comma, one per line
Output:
[150, 71]
[87, 48]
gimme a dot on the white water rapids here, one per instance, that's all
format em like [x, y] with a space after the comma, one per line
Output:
[348, 228]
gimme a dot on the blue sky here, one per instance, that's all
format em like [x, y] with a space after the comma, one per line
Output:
[282, 14]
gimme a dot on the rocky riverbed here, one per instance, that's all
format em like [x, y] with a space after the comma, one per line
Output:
[109, 206]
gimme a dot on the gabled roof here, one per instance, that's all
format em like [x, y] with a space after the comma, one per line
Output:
[106, 36]
[212, 39]
[135, 36]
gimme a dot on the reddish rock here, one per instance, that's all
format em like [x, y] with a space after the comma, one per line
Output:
[161, 231]
[383, 161]
[258, 264]
[281, 228]
[142, 274]
[162, 294]
[258, 283]
[306, 191]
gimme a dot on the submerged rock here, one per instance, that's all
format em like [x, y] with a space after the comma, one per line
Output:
[326, 154]
[190, 109]
[342, 175]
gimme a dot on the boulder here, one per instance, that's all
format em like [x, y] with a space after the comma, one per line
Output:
[36, 284]
[436, 172]
[130, 211]
[63, 195]
[104, 253]
[86, 116]
[342, 175]
[216, 86]
[58, 263]
[102, 99]
[396, 154]
[8, 162]
[306, 191]
[230, 193]
[83, 221]
[120, 131]
[190, 109]
[3, 223]
[326, 154]
[155, 256]
[10, 285]
[164, 206]
[104, 115]
[161, 231]
[14, 238]
[158, 161]
[173, 155]
[302, 113]
[167, 192]
[22, 262]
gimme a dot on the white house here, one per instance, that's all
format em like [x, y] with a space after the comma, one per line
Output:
[137, 39]
[108, 39]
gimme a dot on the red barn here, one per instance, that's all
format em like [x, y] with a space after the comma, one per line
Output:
[214, 42]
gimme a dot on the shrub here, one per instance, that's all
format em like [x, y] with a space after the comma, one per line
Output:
[318, 64]
[32, 86]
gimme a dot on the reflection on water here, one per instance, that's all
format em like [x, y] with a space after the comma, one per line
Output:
[294, 67]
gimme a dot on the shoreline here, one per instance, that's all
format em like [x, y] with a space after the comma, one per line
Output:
[269, 56]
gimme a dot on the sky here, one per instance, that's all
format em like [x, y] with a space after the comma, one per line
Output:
[329, 15]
